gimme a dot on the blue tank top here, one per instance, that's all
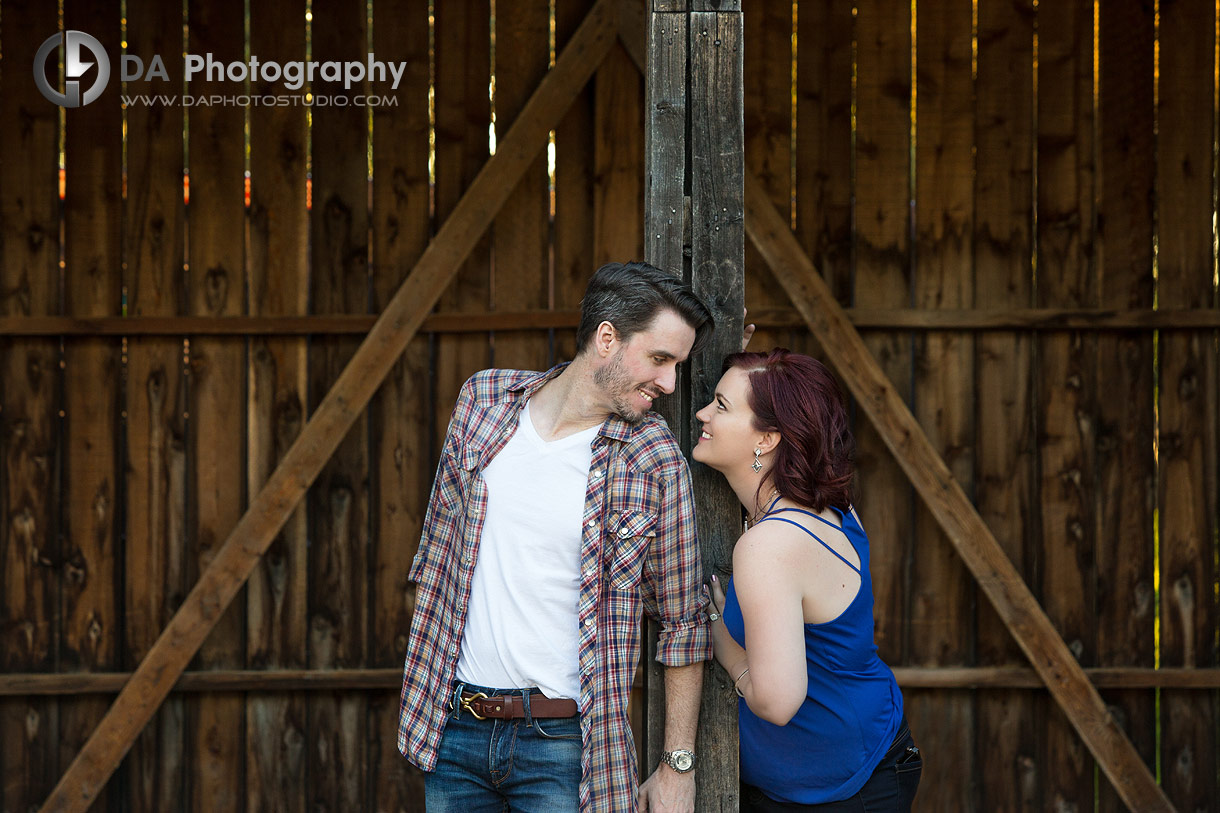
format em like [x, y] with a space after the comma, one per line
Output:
[852, 709]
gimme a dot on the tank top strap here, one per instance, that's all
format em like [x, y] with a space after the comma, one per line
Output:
[821, 519]
[773, 518]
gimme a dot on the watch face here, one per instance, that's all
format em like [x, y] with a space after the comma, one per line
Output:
[682, 760]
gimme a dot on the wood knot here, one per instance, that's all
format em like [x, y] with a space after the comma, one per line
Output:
[33, 722]
[76, 569]
[1184, 765]
[215, 288]
[35, 236]
[94, 630]
[1184, 592]
[1188, 384]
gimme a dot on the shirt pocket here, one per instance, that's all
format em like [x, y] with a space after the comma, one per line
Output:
[631, 533]
[454, 477]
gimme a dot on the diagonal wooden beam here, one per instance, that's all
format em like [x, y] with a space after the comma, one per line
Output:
[398, 323]
[927, 471]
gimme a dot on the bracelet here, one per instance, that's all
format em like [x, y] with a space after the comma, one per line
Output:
[737, 688]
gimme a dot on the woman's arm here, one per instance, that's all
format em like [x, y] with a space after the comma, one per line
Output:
[767, 570]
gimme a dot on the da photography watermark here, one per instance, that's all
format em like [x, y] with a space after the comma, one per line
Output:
[293, 75]
[76, 68]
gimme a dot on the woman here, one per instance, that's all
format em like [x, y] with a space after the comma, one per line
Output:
[821, 716]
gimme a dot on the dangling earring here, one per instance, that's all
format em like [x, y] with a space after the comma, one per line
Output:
[757, 464]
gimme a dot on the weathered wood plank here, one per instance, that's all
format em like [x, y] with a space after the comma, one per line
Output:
[463, 115]
[717, 145]
[1126, 465]
[665, 142]
[216, 284]
[618, 161]
[1189, 402]
[768, 127]
[155, 455]
[1044, 320]
[883, 279]
[520, 270]
[1066, 385]
[400, 463]
[268, 512]
[942, 595]
[277, 381]
[377, 679]
[338, 502]
[574, 189]
[276, 599]
[1004, 470]
[824, 141]
[931, 477]
[30, 440]
[92, 388]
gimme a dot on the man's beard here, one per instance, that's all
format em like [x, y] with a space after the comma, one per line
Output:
[613, 380]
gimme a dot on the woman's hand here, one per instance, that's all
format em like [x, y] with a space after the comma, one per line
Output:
[717, 600]
[728, 654]
[747, 332]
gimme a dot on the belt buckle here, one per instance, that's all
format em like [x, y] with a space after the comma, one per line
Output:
[465, 704]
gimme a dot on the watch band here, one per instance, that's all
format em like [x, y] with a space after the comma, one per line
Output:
[681, 760]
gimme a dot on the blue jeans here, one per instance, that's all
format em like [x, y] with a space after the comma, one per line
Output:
[492, 766]
[891, 788]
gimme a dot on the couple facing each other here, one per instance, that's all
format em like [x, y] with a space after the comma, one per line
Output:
[562, 511]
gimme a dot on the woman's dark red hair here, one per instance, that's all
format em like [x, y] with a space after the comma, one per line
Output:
[798, 397]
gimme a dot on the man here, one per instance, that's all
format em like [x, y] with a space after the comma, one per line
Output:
[561, 508]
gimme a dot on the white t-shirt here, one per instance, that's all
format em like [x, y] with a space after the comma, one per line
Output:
[521, 626]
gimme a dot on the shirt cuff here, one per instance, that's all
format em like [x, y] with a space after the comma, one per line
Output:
[685, 642]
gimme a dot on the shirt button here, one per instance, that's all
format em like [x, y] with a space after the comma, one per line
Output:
[597, 473]
[592, 523]
[588, 622]
[623, 531]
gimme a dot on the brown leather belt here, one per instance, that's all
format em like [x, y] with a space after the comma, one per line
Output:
[512, 707]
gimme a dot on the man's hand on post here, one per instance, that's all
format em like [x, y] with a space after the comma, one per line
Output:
[667, 791]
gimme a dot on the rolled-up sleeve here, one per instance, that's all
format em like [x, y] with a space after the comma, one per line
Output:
[674, 593]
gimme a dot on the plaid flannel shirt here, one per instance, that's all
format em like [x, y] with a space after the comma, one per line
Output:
[638, 552]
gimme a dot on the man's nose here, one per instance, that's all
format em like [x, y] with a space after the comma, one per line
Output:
[668, 380]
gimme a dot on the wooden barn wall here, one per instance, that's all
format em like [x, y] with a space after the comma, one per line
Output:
[987, 156]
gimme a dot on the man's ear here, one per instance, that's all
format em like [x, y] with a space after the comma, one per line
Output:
[604, 338]
[768, 442]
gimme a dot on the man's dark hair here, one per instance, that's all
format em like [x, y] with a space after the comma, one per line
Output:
[629, 296]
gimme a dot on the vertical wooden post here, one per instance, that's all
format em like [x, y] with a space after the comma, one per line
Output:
[694, 212]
